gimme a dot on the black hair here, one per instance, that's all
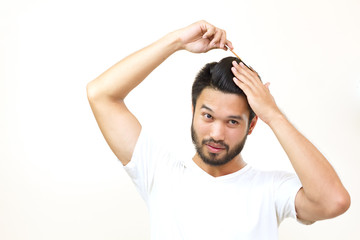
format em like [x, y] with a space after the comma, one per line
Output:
[218, 75]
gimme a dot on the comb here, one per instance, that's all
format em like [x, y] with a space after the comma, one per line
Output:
[238, 57]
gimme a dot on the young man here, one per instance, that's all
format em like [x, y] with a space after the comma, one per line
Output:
[215, 195]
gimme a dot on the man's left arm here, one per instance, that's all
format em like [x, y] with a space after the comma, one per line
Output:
[322, 196]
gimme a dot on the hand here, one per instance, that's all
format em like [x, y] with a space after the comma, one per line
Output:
[258, 94]
[201, 37]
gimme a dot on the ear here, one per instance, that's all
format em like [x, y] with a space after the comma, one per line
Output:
[252, 124]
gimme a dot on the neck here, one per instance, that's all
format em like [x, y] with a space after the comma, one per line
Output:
[232, 166]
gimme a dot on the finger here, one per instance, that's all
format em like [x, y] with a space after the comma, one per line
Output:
[215, 41]
[241, 73]
[267, 85]
[229, 44]
[223, 40]
[245, 68]
[246, 89]
[244, 80]
[210, 31]
[250, 73]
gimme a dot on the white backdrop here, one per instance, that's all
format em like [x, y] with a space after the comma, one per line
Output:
[59, 179]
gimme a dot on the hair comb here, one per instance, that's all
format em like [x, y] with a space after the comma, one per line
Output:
[238, 57]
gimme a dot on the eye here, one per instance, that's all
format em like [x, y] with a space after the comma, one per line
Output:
[207, 116]
[233, 122]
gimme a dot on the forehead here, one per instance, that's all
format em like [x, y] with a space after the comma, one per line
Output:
[223, 103]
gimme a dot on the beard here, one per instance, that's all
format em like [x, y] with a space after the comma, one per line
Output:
[213, 159]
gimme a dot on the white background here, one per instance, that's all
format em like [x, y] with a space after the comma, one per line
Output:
[59, 179]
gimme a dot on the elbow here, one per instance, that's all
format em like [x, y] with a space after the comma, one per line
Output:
[343, 203]
[91, 91]
[339, 205]
[95, 92]
[98, 92]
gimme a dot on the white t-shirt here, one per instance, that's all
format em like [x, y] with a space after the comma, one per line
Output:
[185, 202]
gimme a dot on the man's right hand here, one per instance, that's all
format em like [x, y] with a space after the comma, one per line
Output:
[107, 92]
[201, 37]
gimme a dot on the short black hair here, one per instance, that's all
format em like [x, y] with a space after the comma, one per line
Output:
[218, 75]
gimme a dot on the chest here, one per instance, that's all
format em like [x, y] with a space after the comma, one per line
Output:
[195, 205]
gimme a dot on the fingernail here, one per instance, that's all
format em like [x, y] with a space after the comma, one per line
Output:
[242, 64]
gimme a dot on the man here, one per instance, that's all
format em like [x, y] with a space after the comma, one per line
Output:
[215, 195]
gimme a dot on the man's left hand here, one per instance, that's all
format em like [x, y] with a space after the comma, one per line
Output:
[258, 94]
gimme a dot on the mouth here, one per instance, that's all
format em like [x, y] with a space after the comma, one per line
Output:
[215, 148]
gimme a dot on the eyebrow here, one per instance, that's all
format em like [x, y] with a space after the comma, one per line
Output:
[206, 107]
[238, 117]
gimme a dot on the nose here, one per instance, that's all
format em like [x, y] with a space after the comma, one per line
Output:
[217, 131]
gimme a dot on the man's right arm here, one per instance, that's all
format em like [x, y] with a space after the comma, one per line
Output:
[107, 92]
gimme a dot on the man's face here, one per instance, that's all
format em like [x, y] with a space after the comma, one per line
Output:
[220, 126]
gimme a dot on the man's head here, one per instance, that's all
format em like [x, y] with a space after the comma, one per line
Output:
[222, 117]
[217, 75]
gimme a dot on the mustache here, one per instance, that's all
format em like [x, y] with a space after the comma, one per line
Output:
[219, 142]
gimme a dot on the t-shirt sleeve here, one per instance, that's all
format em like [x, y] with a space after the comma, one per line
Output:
[143, 164]
[287, 186]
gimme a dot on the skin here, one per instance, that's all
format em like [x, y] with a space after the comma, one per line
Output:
[222, 117]
[322, 196]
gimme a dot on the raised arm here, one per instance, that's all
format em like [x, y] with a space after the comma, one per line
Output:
[107, 92]
[323, 195]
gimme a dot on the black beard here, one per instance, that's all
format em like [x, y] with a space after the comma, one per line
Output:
[212, 159]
